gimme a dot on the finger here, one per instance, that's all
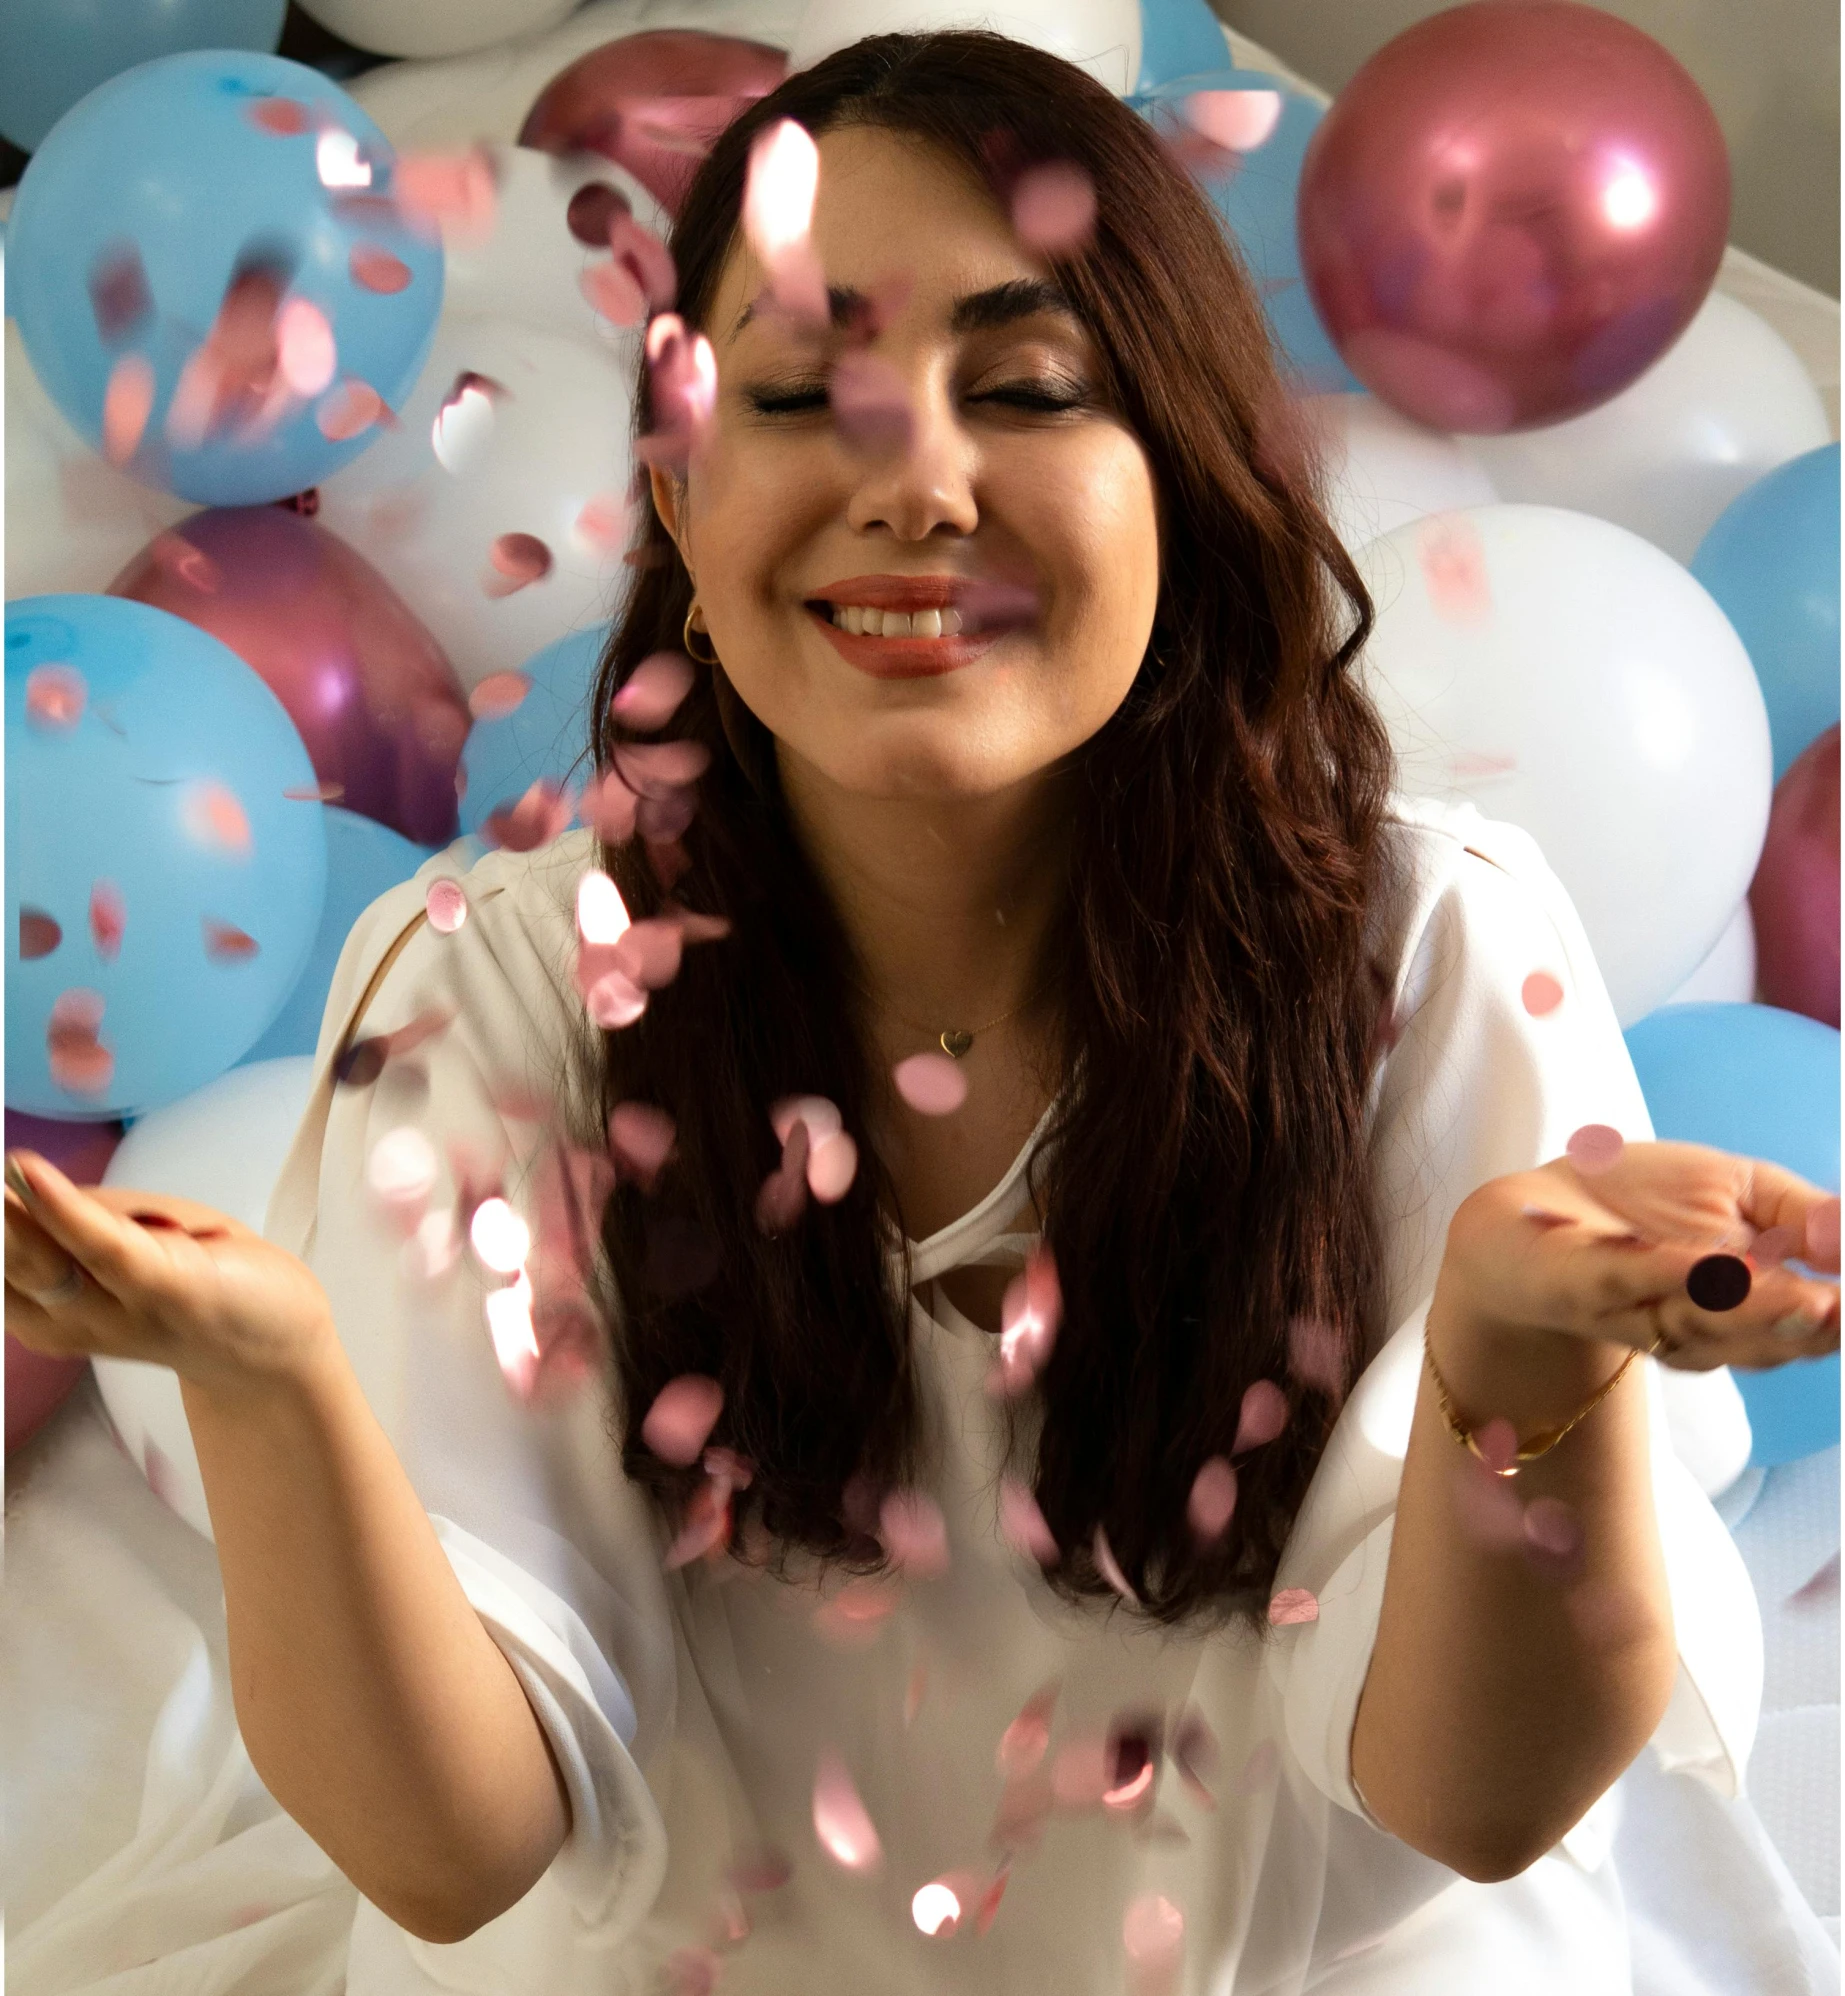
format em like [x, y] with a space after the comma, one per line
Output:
[1774, 1200]
[33, 1259]
[167, 1209]
[111, 1250]
[93, 1324]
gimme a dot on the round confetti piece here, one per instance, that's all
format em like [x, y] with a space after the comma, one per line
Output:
[39, 934]
[1053, 208]
[280, 117]
[128, 401]
[832, 1164]
[55, 696]
[374, 269]
[499, 694]
[349, 410]
[225, 942]
[1213, 1500]
[1022, 1525]
[614, 1001]
[1822, 1234]
[499, 1236]
[214, 817]
[1595, 1147]
[931, 1083]
[1292, 1605]
[679, 1422]
[306, 356]
[640, 1140]
[841, 1822]
[1718, 1282]
[914, 1532]
[446, 904]
[650, 695]
[935, 1909]
[518, 560]
[1263, 1415]
[593, 207]
[1541, 994]
[1153, 1938]
[1774, 1245]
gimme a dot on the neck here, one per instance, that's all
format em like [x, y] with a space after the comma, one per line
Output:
[947, 902]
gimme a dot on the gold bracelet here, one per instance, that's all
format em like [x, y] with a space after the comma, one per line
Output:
[1545, 1440]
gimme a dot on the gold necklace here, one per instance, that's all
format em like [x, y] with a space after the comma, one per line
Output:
[957, 1041]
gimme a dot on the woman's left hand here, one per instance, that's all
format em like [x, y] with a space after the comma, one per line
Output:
[1668, 1238]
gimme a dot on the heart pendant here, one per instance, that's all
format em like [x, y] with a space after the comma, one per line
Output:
[954, 1044]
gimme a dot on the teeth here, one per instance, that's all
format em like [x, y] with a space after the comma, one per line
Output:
[864, 622]
[951, 623]
[927, 623]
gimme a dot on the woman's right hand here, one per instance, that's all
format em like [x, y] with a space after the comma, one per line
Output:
[156, 1278]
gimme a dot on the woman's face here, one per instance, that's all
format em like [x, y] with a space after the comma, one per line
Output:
[1014, 475]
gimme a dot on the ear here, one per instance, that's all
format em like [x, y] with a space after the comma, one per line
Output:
[668, 503]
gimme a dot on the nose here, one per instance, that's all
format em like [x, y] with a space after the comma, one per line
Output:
[924, 487]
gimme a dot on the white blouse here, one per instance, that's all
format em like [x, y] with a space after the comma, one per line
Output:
[690, 1710]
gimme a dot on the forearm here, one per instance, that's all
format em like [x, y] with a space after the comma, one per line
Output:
[374, 1704]
[1502, 1700]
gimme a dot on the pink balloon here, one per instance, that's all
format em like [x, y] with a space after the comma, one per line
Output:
[370, 691]
[1510, 213]
[1794, 897]
[653, 103]
[36, 1382]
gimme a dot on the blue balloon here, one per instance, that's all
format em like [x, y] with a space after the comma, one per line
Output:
[162, 885]
[1179, 39]
[155, 194]
[547, 734]
[1257, 203]
[364, 860]
[1762, 1083]
[1772, 563]
[53, 52]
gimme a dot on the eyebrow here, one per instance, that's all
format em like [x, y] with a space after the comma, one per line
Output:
[978, 312]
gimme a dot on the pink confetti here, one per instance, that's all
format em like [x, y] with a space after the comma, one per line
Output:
[55, 696]
[374, 269]
[401, 1173]
[1774, 1245]
[1453, 561]
[1153, 1938]
[609, 808]
[988, 1908]
[1021, 1523]
[518, 560]
[641, 1141]
[498, 695]
[614, 294]
[783, 1197]
[1030, 1313]
[1054, 208]
[778, 213]
[851, 1618]
[128, 402]
[821, 1116]
[456, 191]
[682, 391]
[1237, 121]
[706, 1528]
[1213, 1500]
[1081, 1771]
[931, 1083]
[39, 934]
[225, 942]
[119, 293]
[649, 952]
[914, 1532]
[214, 817]
[461, 427]
[80, 1063]
[693, 1971]
[1109, 1567]
[1263, 1415]
[349, 411]
[726, 1466]
[650, 695]
[602, 525]
[1822, 1234]
[841, 1822]
[280, 117]
[832, 1164]
[305, 353]
[870, 399]
[936, 1909]
[592, 211]
[1541, 994]
[1292, 1605]
[1024, 1743]
[1316, 1355]
[315, 793]
[680, 1421]
[1595, 1147]
[1552, 1526]
[535, 820]
[614, 1001]
[446, 904]
[657, 768]
[645, 260]
[1823, 1585]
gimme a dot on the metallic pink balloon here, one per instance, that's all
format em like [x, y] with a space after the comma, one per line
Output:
[1510, 212]
[653, 103]
[36, 1382]
[1795, 894]
[371, 692]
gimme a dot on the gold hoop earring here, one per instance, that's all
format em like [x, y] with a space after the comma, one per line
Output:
[687, 635]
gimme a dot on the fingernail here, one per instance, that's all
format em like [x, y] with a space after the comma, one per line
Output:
[1796, 1324]
[16, 1178]
[1718, 1282]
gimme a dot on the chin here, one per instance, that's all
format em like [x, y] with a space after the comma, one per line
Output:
[922, 769]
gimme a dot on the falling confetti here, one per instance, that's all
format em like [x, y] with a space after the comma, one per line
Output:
[832, 1164]
[602, 525]
[988, 1908]
[1110, 1568]
[614, 294]
[373, 268]
[305, 352]
[1054, 208]
[499, 1236]
[679, 1422]
[1153, 1939]
[517, 561]
[128, 402]
[931, 1083]
[1316, 1355]
[446, 905]
[535, 820]
[80, 1064]
[1541, 994]
[515, 1341]
[872, 413]
[401, 1171]
[592, 211]
[602, 915]
[225, 942]
[1022, 1525]
[1822, 1234]
[435, 1247]
[119, 293]
[682, 391]
[39, 934]
[1213, 1500]
[213, 817]
[461, 428]
[1237, 121]
[614, 1001]
[447, 192]
[935, 1909]
[650, 695]
[1594, 1148]
[499, 694]
[1263, 1415]
[55, 696]
[645, 260]
[640, 1141]
[841, 1822]
[914, 1532]
[778, 214]
[280, 117]
[1452, 558]
[783, 1196]
[338, 161]
[349, 411]
[1292, 1605]
[232, 381]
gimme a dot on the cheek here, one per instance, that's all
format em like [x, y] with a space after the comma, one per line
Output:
[1099, 546]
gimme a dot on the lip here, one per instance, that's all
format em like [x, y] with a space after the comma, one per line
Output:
[895, 592]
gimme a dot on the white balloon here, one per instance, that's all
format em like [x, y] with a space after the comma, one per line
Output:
[1727, 974]
[73, 522]
[1564, 674]
[1101, 36]
[1727, 402]
[1382, 470]
[559, 437]
[223, 1145]
[434, 27]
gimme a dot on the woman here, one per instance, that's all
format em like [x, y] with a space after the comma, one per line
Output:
[1056, 1662]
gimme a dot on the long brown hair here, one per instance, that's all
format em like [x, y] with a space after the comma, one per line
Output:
[1205, 1180]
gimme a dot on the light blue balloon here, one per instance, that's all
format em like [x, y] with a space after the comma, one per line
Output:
[1772, 563]
[1178, 39]
[1257, 202]
[52, 52]
[170, 784]
[547, 734]
[364, 860]
[140, 208]
[1764, 1083]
